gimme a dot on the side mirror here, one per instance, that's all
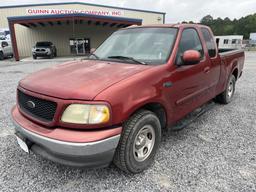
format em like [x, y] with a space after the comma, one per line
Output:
[191, 57]
[92, 50]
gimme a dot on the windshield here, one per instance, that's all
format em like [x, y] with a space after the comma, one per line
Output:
[43, 44]
[145, 45]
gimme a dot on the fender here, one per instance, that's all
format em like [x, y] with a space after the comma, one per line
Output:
[147, 103]
[234, 66]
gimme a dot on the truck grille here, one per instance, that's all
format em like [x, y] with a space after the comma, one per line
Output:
[40, 50]
[38, 108]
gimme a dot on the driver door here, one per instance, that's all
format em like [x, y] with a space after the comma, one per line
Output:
[189, 89]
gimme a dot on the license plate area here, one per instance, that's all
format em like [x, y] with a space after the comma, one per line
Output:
[22, 143]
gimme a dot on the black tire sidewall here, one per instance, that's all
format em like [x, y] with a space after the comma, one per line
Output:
[133, 165]
[1, 56]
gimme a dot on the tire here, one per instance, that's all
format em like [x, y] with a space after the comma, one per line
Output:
[34, 57]
[1, 56]
[131, 155]
[227, 96]
[51, 56]
[55, 54]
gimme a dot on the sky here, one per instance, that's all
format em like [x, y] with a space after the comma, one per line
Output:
[176, 10]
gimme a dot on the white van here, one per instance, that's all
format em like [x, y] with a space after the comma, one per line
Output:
[5, 49]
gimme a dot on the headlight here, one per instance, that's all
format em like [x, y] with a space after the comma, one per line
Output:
[86, 114]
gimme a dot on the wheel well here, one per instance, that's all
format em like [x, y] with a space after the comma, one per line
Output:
[159, 110]
[235, 73]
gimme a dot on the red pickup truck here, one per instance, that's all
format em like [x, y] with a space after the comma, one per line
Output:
[114, 105]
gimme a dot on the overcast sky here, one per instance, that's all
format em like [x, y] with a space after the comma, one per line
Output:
[177, 10]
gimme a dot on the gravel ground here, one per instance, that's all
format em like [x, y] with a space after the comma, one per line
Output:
[215, 153]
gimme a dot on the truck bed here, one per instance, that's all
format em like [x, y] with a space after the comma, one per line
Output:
[229, 59]
[229, 51]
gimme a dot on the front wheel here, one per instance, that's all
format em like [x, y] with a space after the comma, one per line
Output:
[226, 96]
[139, 142]
[51, 56]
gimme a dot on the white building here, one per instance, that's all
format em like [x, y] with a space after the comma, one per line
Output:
[229, 41]
[253, 38]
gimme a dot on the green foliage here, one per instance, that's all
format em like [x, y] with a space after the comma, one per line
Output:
[243, 26]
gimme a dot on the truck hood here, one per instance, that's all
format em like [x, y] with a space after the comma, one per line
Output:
[83, 79]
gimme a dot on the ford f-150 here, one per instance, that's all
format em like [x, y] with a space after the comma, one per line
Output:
[114, 105]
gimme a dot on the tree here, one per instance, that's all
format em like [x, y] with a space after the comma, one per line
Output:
[243, 26]
[208, 19]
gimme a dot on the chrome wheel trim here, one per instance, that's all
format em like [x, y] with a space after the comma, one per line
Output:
[144, 143]
[230, 89]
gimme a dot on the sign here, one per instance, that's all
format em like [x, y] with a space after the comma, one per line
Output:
[112, 13]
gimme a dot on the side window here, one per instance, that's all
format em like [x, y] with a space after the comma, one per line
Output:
[225, 41]
[189, 41]
[233, 41]
[209, 42]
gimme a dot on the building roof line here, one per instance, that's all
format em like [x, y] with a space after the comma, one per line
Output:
[34, 17]
[80, 3]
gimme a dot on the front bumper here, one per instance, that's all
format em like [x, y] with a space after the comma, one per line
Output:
[97, 153]
[41, 54]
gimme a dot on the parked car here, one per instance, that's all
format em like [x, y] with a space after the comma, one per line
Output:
[44, 49]
[5, 49]
[5, 34]
[114, 105]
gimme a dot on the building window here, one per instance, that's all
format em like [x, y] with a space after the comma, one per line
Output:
[233, 41]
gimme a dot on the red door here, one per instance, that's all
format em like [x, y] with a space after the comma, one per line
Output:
[190, 82]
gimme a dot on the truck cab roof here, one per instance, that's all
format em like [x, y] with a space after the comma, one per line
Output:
[182, 25]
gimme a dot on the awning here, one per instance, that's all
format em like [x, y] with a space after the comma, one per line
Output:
[66, 19]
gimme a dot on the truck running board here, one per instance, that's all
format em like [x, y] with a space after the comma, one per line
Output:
[188, 119]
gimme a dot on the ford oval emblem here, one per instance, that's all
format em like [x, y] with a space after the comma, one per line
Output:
[31, 104]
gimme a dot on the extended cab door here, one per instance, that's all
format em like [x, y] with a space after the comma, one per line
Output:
[190, 82]
[214, 60]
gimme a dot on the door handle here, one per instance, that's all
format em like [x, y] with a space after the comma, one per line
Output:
[207, 69]
[167, 84]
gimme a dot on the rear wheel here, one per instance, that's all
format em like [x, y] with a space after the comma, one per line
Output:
[1, 55]
[227, 95]
[139, 142]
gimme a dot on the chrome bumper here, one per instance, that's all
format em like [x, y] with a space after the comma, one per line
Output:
[92, 154]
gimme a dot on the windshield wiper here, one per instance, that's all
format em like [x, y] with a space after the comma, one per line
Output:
[92, 54]
[127, 58]
[96, 56]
